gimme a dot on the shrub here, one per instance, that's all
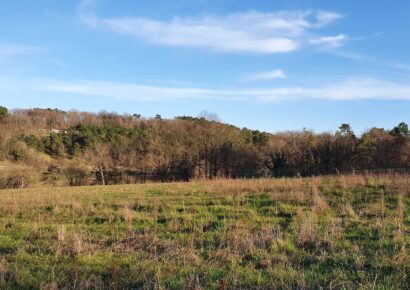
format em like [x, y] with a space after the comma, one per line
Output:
[76, 176]
[4, 112]
[33, 142]
[18, 151]
[16, 179]
[52, 175]
[53, 144]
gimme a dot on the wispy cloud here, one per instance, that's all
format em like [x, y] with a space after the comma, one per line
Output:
[86, 5]
[357, 89]
[389, 64]
[330, 41]
[266, 76]
[351, 89]
[127, 91]
[8, 50]
[326, 17]
[250, 32]
[56, 62]
[401, 66]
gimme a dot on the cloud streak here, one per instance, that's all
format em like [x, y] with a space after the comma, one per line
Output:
[266, 76]
[9, 50]
[127, 91]
[248, 32]
[350, 89]
[330, 41]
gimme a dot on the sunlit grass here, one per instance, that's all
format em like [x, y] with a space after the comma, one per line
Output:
[333, 232]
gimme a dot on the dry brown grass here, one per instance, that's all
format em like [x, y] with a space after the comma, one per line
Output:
[261, 228]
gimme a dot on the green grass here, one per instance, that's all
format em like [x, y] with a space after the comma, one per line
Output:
[347, 232]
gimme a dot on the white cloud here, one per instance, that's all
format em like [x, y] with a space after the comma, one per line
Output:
[266, 76]
[330, 41]
[351, 89]
[325, 18]
[128, 91]
[251, 32]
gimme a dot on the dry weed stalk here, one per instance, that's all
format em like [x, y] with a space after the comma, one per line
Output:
[348, 210]
[3, 271]
[382, 205]
[400, 217]
[307, 231]
[319, 203]
[61, 234]
[127, 215]
[49, 286]
[77, 244]
[399, 234]
[77, 207]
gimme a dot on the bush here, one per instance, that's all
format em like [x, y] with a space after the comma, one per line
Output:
[76, 176]
[33, 142]
[18, 151]
[16, 179]
[52, 175]
[3, 113]
[53, 145]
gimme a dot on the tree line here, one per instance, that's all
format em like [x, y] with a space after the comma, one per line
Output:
[107, 148]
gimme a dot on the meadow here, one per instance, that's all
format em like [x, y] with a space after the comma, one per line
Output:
[340, 232]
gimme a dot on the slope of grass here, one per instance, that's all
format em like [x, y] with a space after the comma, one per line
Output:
[337, 232]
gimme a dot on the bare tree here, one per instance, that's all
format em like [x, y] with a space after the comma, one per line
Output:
[100, 158]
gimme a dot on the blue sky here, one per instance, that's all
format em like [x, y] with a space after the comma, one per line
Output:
[268, 65]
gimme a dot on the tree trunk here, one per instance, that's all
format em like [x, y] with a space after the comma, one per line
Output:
[101, 171]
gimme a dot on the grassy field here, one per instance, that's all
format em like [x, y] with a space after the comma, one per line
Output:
[330, 232]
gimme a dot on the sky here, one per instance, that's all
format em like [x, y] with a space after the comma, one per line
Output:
[268, 64]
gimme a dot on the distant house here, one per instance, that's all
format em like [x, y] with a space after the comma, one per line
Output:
[57, 131]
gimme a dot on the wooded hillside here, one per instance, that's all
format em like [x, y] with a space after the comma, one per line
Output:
[50, 146]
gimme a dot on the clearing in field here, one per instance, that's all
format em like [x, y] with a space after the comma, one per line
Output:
[334, 232]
